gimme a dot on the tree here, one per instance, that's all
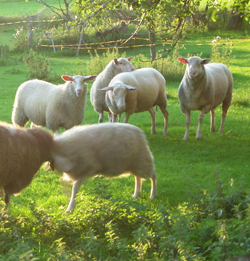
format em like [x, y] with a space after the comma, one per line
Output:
[163, 19]
[240, 11]
[61, 12]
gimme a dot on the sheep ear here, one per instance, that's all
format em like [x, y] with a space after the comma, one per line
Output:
[109, 88]
[205, 61]
[116, 61]
[183, 60]
[90, 77]
[130, 88]
[67, 78]
[129, 58]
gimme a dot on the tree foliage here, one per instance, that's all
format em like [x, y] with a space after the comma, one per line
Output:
[237, 7]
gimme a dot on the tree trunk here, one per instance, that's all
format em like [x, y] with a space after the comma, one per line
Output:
[81, 40]
[235, 22]
[152, 40]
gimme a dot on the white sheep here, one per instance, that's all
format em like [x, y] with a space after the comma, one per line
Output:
[108, 149]
[137, 91]
[97, 97]
[49, 105]
[21, 155]
[204, 87]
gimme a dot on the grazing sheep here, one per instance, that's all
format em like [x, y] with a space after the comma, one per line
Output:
[108, 149]
[21, 155]
[204, 87]
[49, 105]
[97, 97]
[137, 91]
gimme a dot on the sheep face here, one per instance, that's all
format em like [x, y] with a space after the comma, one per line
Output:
[78, 82]
[124, 65]
[195, 66]
[117, 93]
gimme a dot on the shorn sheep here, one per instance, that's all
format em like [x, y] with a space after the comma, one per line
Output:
[137, 91]
[22, 153]
[97, 97]
[204, 87]
[108, 149]
[49, 105]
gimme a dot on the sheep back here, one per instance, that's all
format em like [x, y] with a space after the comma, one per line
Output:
[110, 149]
[150, 90]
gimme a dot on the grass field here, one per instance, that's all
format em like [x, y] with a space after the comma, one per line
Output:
[197, 180]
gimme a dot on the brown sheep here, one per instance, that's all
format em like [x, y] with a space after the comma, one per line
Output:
[22, 153]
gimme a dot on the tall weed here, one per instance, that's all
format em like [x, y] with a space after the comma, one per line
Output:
[222, 51]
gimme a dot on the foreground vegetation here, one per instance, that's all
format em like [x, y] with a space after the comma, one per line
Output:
[202, 210]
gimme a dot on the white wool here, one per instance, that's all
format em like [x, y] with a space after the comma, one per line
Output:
[204, 87]
[49, 105]
[137, 91]
[97, 97]
[108, 149]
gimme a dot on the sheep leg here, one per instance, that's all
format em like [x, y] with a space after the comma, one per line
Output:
[152, 112]
[153, 186]
[212, 127]
[100, 120]
[110, 116]
[119, 117]
[165, 115]
[201, 116]
[126, 118]
[114, 116]
[223, 116]
[75, 190]
[186, 136]
[7, 199]
[138, 183]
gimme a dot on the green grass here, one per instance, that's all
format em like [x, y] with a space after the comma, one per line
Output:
[196, 179]
[22, 8]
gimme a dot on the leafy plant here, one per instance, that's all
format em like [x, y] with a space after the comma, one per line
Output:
[21, 40]
[37, 64]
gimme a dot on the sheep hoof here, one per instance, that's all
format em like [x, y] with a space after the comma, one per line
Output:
[152, 197]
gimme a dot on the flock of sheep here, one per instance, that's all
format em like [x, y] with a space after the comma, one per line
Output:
[111, 148]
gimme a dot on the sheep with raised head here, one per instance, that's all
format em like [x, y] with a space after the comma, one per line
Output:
[108, 149]
[97, 97]
[49, 105]
[22, 153]
[137, 91]
[204, 87]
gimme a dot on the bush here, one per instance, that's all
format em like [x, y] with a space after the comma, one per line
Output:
[37, 64]
[98, 62]
[21, 40]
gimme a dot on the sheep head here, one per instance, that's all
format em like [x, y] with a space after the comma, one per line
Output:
[195, 66]
[78, 82]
